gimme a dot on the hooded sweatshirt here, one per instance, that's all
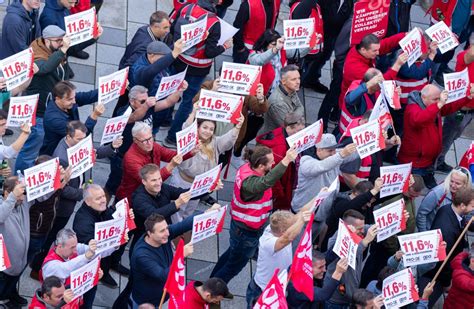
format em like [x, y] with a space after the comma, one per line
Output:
[53, 14]
[20, 28]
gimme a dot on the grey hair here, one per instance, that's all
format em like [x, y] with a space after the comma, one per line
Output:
[289, 68]
[135, 91]
[426, 90]
[138, 127]
[64, 235]
[87, 191]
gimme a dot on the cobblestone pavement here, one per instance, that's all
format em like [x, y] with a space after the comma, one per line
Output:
[120, 19]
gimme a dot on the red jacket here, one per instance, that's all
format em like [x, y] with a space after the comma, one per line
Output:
[422, 131]
[356, 65]
[134, 160]
[82, 5]
[461, 294]
[192, 297]
[283, 189]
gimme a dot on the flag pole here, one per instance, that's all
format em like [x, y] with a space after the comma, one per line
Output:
[162, 298]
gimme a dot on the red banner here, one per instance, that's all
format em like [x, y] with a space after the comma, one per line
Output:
[273, 296]
[176, 282]
[370, 16]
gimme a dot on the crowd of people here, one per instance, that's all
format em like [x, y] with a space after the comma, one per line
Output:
[275, 185]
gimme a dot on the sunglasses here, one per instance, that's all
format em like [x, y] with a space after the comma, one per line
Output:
[463, 170]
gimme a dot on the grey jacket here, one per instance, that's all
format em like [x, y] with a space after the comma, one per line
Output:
[429, 207]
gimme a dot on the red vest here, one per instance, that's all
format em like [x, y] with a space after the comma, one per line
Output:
[443, 10]
[268, 72]
[198, 59]
[53, 256]
[36, 304]
[257, 23]
[254, 214]
[410, 84]
[346, 116]
[364, 169]
[318, 26]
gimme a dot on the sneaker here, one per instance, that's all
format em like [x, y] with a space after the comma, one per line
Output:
[17, 299]
[444, 167]
[108, 281]
[80, 54]
[8, 132]
[430, 181]
[122, 270]
[34, 275]
[169, 144]
[236, 162]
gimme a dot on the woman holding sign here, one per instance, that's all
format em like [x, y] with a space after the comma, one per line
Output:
[206, 159]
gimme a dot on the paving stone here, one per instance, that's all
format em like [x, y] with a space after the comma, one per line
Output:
[109, 54]
[142, 12]
[91, 50]
[237, 302]
[164, 5]
[206, 250]
[225, 193]
[83, 73]
[112, 36]
[132, 29]
[83, 86]
[113, 14]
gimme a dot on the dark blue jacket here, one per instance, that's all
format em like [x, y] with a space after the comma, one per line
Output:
[20, 28]
[149, 75]
[297, 300]
[56, 120]
[53, 14]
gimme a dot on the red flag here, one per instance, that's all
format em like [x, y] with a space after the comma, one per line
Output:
[273, 296]
[220, 226]
[253, 88]
[176, 283]
[468, 157]
[354, 123]
[301, 271]
[236, 114]
[130, 223]
[5, 262]
[403, 223]
[441, 248]
[57, 176]
[74, 304]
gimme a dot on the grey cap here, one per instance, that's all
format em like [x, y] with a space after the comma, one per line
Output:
[53, 31]
[158, 48]
[328, 141]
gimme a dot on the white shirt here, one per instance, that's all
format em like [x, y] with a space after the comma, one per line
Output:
[269, 260]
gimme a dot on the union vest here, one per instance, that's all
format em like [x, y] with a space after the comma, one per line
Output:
[53, 256]
[257, 23]
[346, 117]
[410, 84]
[318, 26]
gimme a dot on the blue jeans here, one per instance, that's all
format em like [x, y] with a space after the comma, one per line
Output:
[28, 154]
[253, 293]
[243, 244]
[194, 85]
[36, 244]
[115, 176]
[328, 305]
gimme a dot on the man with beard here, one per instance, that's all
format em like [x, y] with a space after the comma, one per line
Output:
[250, 207]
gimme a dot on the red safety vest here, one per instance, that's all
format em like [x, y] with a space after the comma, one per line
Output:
[257, 23]
[253, 214]
[318, 26]
[268, 72]
[365, 167]
[53, 256]
[346, 117]
[443, 10]
[198, 59]
[410, 84]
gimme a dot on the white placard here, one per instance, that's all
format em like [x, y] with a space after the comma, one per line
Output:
[206, 224]
[306, 138]
[322, 195]
[381, 112]
[85, 278]
[227, 31]
[4, 259]
[81, 157]
[187, 139]
[239, 78]
[390, 93]
[411, 45]
[193, 33]
[18, 68]
[82, 26]
[114, 128]
[368, 138]
[22, 110]
[457, 85]
[390, 219]
[109, 234]
[299, 33]
[399, 289]
[219, 106]
[206, 181]
[42, 179]
[170, 84]
[422, 248]
[112, 86]
[346, 246]
[441, 33]
[396, 179]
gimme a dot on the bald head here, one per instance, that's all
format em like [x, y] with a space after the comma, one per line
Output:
[430, 94]
[371, 73]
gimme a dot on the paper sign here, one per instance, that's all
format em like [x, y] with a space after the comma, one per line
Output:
[114, 128]
[306, 138]
[322, 195]
[187, 139]
[369, 138]
[390, 219]
[206, 224]
[206, 181]
[112, 86]
[4, 259]
[422, 248]
[219, 106]
[81, 157]
[299, 33]
[396, 179]
[82, 26]
[411, 45]
[390, 93]
[42, 179]
[370, 16]
[123, 211]
[456, 84]
[441, 33]
[382, 113]
[170, 84]
[227, 31]
[346, 244]
[85, 278]
[399, 289]
[22, 110]
[109, 234]
[17, 69]
[239, 78]
[193, 33]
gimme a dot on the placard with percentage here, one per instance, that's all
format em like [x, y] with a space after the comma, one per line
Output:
[112, 86]
[399, 289]
[42, 179]
[82, 26]
[322, 195]
[109, 234]
[114, 128]
[411, 45]
[456, 84]
[81, 157]
[206, 224]
[193, 33]
[346, 244]
[206, 181]
[369, 138]
[17, 69]
[22, 110]
[219, 106]
[307, 137]
[4, 259]
[390, 219]
[239, 78]
[298, 33]
[441, 33]
[396, 179]
[422, 248]
[382, 113]
[170, 84]
[187, 139]
[122, 209]
[390, 93]
[85, 278]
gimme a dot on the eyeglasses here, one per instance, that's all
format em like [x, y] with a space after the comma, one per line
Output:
[145, 141]
[57, 40]
[462, 169]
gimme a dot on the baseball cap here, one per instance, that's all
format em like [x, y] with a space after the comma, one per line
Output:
[158, 48]
[328, 141]
[53, 31]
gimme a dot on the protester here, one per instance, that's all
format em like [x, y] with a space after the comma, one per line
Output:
[201, 295]
[10, 152]
[52, 294]
[461, 292]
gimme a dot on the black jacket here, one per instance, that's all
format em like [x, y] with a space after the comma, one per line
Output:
[42, 215]
[85, 220]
